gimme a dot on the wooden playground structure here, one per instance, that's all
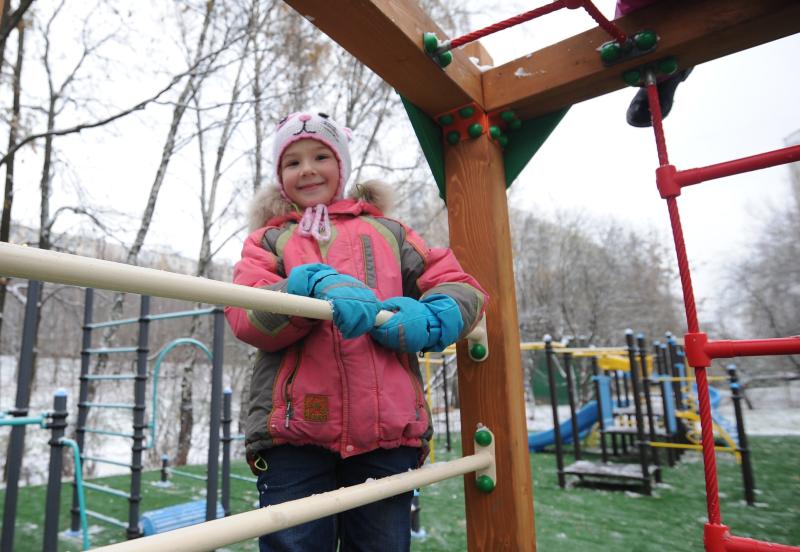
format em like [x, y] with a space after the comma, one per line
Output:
[387, 37]
[475, 182]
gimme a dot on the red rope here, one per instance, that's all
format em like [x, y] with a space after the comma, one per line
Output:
[609, 27]
[510, 22]
[658, 120]
[683, 266]
[612, 29]
[707, 436]
[706, 424]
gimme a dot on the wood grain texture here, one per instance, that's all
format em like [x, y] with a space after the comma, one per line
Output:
[693, 31]
[387, 37]
[491, 392]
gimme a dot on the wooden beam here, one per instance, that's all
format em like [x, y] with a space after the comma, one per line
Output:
[693, 31]
[492, 392]
[387, 37]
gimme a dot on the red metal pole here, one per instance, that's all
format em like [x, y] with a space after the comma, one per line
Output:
[753, 347]
[741, 544]
[689, 177]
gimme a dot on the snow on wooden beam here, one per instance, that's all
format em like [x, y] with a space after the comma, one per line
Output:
[693, 31]
[387, 37]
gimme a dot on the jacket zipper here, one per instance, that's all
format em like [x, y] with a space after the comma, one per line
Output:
[414, 383]
[337, 352]
[287, 390]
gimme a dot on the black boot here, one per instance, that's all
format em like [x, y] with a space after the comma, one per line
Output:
[638, 114]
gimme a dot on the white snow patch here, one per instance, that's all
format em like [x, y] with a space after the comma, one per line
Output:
[520, 72]
[477, 62]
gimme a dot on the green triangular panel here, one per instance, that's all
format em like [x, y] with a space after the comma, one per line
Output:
[522, 144]
[525, 142]
[430, 139]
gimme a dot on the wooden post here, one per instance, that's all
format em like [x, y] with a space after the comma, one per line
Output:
[492, 392]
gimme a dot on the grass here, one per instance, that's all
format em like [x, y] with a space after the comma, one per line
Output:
[574, 519]
[591, 520]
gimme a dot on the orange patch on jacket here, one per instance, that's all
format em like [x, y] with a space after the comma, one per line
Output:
[315, 408]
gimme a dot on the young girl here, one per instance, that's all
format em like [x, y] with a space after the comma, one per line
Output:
[335, 403]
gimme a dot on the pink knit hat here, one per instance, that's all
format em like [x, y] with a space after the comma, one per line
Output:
[319, 127]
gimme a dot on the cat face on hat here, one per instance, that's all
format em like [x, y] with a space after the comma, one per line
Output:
[320, 127]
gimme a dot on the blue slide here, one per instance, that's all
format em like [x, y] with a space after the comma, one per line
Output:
[587, 417]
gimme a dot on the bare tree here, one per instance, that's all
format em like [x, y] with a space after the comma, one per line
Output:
[13, 131]
[764, 286]
[10, 20]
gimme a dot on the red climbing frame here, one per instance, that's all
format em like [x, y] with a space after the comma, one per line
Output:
[700, 351]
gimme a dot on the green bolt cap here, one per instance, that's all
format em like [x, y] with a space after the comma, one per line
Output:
[645, 40]
[466, 112]
[477, 351]
[475, 130]
[667, 66]
[483, 437]
[610, 51]
[508, 116]
[445, 59]
[485, 484]
[495, 131]
[632, 77]
[446, 119]
[430, 41]
[453, 137]
[503, 141]
[515, 124]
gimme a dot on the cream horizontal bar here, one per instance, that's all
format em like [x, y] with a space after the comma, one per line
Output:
[63, 268]
[248, 525]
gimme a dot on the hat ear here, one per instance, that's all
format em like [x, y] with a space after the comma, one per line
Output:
[348, 133]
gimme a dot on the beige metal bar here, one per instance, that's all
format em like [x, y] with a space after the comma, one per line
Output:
[63, 268]
[248, 525]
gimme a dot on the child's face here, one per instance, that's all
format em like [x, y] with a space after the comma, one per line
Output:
[310, 173]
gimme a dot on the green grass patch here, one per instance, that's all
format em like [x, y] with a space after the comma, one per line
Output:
[592, 520]
[574, 519]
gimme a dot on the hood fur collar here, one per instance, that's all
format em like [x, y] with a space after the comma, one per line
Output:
[268, 202]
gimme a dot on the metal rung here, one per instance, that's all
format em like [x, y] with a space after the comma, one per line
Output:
[243, 478]
[189, 475]
[106, 432]
[182, 314]
[239, 437]
[105, 461]
[108, 350]
[107, 519]
[110, 323]
[107, 490]
[109, 405]
[112, 377]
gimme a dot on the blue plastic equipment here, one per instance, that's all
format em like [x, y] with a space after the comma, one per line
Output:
[175, 517]
[587, 416]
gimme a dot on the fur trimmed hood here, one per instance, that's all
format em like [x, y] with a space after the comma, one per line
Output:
[268, 202]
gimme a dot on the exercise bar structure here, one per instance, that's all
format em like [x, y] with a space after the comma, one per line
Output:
[221, 532]
[63, 268]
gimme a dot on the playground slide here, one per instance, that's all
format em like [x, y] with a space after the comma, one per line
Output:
[587, 416]
[726, 425]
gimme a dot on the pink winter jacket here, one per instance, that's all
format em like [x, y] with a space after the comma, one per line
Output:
[311, 386]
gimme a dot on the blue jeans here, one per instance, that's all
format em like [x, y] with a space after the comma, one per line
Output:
[296, 472]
